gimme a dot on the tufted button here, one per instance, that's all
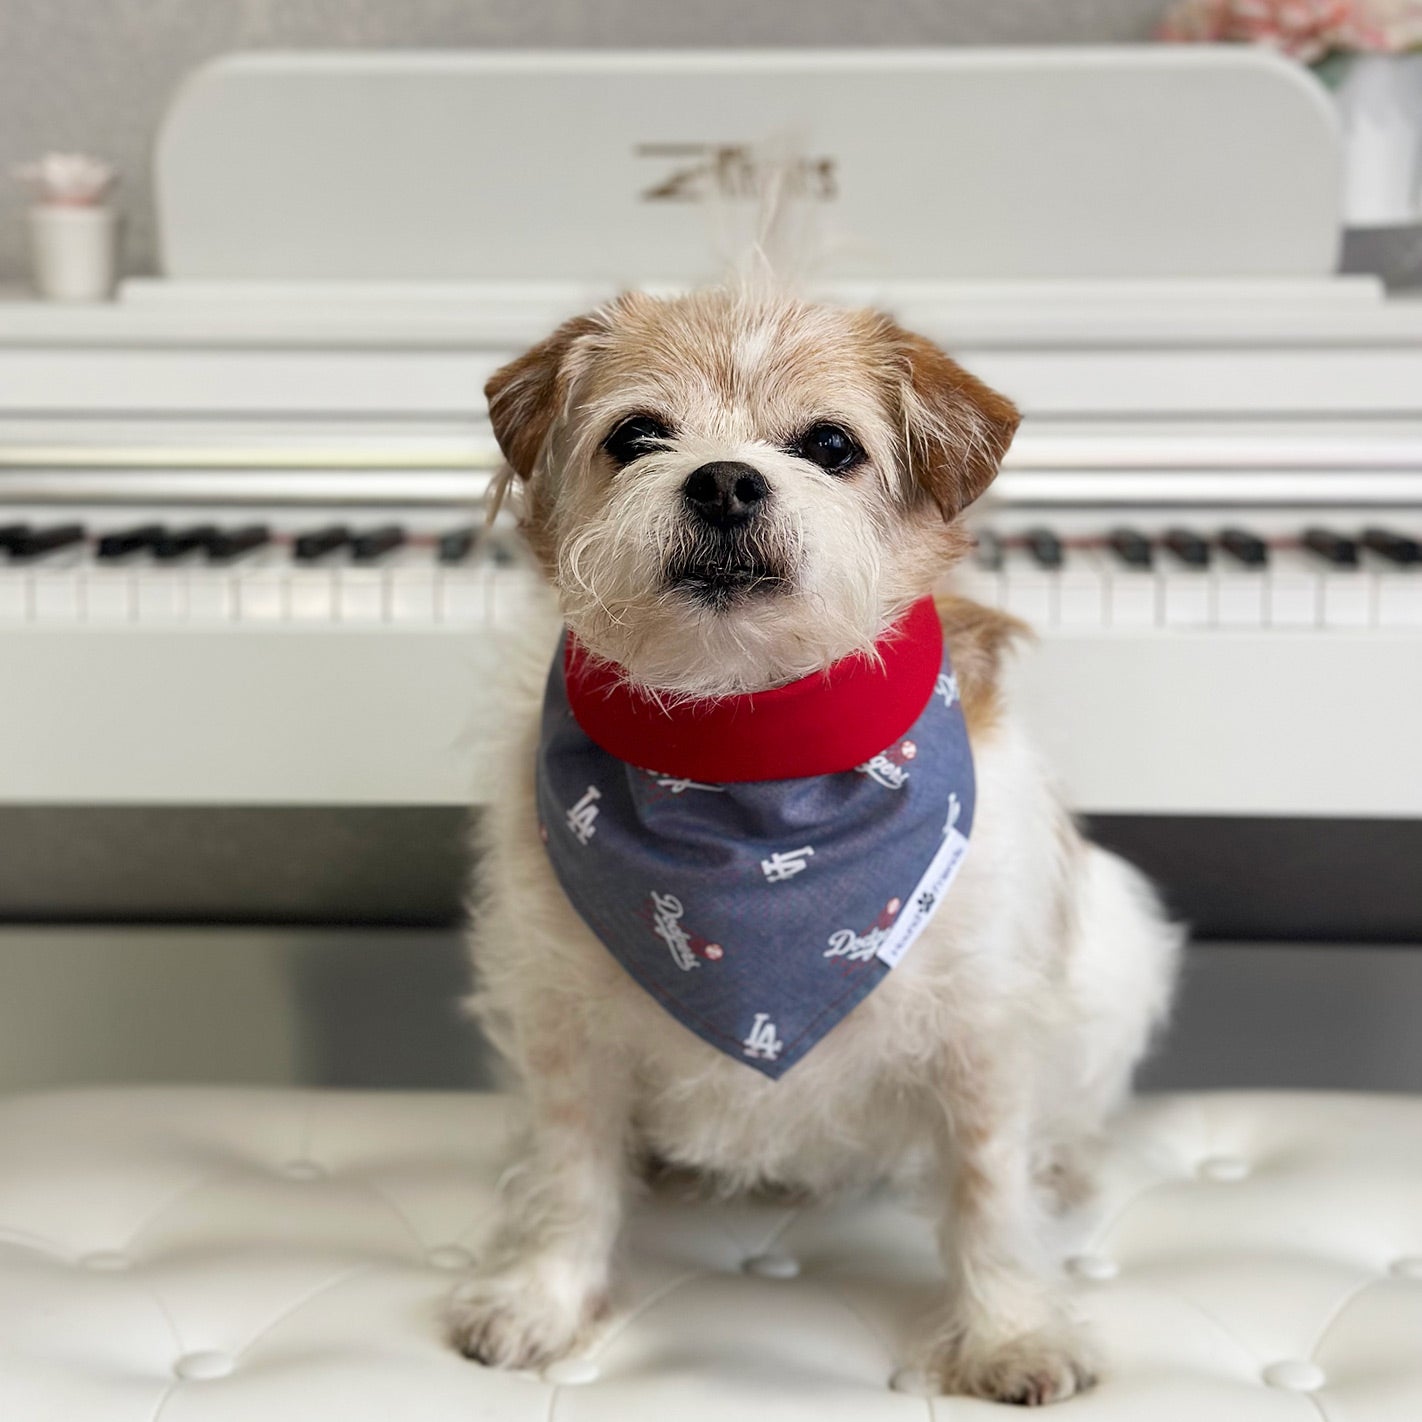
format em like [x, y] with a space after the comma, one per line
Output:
[106, 1261]
[1294, 1375]
[1408, 1267]
[450, 1256]
[913, 1382]
[572, 1372]
[203, 1367]
[1223, 1169]
[1096, 1267]
[772, 1265]
[301, 1170]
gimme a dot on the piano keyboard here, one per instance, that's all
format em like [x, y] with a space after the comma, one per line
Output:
[1220, 576]
[214, 568]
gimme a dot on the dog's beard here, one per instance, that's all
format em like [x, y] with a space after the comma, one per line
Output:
[723, 570]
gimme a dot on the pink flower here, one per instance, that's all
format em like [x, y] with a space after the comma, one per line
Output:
[1305, 30]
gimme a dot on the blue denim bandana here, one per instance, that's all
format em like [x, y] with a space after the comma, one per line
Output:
[758, 913]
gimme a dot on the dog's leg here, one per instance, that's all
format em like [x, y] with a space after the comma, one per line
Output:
[1006, 1333]
[543, 1279]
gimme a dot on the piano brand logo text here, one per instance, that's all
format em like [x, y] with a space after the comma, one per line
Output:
[695, 171]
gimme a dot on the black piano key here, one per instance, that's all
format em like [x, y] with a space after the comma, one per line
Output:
[178, 543]
[1132, 548]
[308, 547]
[1189, 547]
[1395, 547]
[1332, 547]
[456, 545]
[1245, 547]
[1044, 546]
[988, 550]
[502, 553]
[11, 534]
[377, 542]
[126, 541]
[229, 543]
[38, 542]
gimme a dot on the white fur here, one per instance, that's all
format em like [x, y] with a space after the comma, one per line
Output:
[983, 1067]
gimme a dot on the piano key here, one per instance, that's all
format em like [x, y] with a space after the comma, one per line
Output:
[263, 590]
[1028, 589]
[413, 593]
[1345, 598]
[1293, 589]
[502, 552]
[375, 543]
[212, 596]
[1132, 597]
[1082, 590]
[319, 542]
[1332, 547]
[108, 593]
[230, 543]
[1044, 546]
[38, 543]
[466, 596]
[178, 543]
[14, 598]
[1132, 548]
[311, 594]
[1398, 598]
[125, 542]
[1245, 547]
[1186, 597]
[54, 597]
[1187, 546]
[12, 533]
[1240, 595]
[360, 594]
[456, 545]
[160, 595]
[1395, 547]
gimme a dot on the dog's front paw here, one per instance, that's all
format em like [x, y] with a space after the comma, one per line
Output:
[521, 1317]
[1030, 1369]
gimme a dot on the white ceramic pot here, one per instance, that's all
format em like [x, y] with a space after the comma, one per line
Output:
[73, 251]
[1380, 102]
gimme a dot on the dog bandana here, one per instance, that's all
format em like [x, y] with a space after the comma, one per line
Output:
[759, 864]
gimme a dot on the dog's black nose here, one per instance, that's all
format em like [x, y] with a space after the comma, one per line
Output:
[725, 493]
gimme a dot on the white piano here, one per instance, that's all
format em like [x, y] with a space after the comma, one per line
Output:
[240, 508]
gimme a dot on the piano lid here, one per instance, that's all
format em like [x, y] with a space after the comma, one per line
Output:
[927, 166]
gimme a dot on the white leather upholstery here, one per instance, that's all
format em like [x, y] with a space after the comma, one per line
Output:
[257, 1256]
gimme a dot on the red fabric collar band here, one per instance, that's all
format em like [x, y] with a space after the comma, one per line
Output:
[830, 721]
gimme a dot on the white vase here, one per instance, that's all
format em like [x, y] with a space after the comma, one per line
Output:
[73, 251]
[1380, 103]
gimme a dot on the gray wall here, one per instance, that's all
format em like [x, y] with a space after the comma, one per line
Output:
[96, 74]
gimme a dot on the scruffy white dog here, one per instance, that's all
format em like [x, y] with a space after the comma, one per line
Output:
[841, 452]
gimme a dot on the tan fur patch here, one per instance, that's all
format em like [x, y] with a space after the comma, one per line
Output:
[978, 637]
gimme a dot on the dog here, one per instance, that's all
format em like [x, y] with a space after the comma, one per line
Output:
[732, 491]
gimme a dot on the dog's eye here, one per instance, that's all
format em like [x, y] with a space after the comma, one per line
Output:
[832, 448]
[635, 437]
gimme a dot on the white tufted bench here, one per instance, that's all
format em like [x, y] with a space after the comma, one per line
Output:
[258, 1256]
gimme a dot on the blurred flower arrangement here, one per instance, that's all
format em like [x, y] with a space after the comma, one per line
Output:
[1306, 30]
[68, 179]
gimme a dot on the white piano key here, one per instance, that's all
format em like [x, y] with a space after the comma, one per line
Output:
[108, 595]
[976, 583]
[414, 593]
[262, 591]
[211, 596]
[1399, 598]
[1293, 590]
[361, 594]
[1081, 590]
[1133, 598]
[465, 596]
[14, 595]
[55, 596]
[1346, 598]
[1240, 598]
[161, 595]
[1185, 597]
[311, 595]
[1028, 589]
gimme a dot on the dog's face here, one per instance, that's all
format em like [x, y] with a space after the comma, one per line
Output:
[730, 490]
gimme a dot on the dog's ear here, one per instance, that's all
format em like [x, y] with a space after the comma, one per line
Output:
[955, 428]
[526, 395]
